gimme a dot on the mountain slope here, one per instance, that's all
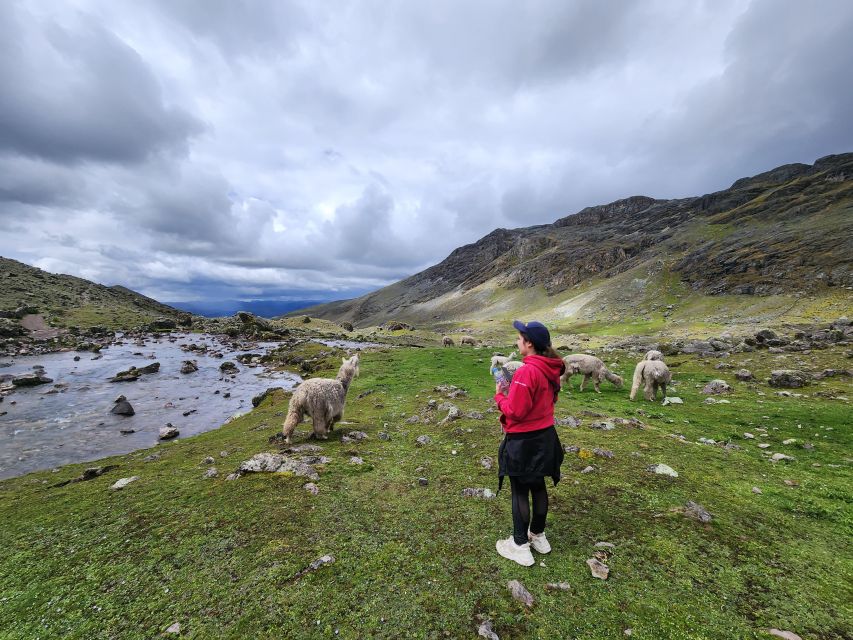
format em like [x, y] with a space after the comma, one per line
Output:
[67, 300]
[788, 231]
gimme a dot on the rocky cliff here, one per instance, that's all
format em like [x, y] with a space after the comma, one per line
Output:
[784, 231]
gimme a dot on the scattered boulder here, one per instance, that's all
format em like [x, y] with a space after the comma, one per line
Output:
[154, 367]
[757, 491]
[744, 375]
[717, 387]
[781, 457]
[788, 379]
[131, 375]
[169, 431]
[663, 470]
[568, 421]
[122, 407]
[229, 368]
[697, 512]
[423, 440]
[557, 586]
[486, 462]
[598, 568]
[175, 628]
[354, 436]
[423, 481]
[189, 366]
[31, 379]
[211, 473]
[277, 463]
[471, 492]
[311, 488]
[785, 635]
[485, 631]
[520, 593]
[764, 335]
[672, 400]
[346, 326]
[121, 484]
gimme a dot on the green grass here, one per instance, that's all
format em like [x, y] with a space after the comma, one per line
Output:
[220, 557]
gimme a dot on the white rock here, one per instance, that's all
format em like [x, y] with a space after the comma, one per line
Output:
[756, 491]
[588, 469]
[175, 628]
[789, 441]
[605, 545]
[777, 457]
[786, 635]
[663, 470]
[749, 436]
[764, 445]
[672, 400]
[121, 484]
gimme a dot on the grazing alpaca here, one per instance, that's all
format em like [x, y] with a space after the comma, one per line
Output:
[591, 368]
[468, 340]
[447, 341]
[322, 399]
[499, 361]
[653, 355]
[511, 367]
[652, 374]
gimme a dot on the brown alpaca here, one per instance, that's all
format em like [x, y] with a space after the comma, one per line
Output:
[652, 374]
[447, 341]
[468, 340]
[322, 399]
[591, 368]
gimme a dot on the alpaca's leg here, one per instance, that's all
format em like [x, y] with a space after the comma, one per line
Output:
[649, 390]
[663, 388]
[596, 379]
[320, 427]
[583, 381]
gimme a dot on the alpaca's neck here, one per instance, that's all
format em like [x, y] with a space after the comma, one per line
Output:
[345, 377]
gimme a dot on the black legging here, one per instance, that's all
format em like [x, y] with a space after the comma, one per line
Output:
[521, 508]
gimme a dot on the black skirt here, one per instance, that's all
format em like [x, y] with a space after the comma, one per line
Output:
[530, 456]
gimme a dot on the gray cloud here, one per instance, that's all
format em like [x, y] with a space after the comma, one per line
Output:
[271, 146]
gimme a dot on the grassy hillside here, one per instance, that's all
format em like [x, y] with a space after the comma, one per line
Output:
[223, 558]
[70, 301]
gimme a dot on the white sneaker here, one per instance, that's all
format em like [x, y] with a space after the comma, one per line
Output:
[539, 542]
[519, 553]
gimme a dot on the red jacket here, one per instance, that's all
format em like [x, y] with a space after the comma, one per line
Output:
[532, 394]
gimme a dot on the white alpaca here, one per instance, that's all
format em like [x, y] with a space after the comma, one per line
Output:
[653, 355]
[447, 341]
[468, 340]
[322, 399]
[652, 374]
[591, 368]
[499, 361]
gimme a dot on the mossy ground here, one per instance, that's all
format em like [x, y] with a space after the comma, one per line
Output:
[413, 561]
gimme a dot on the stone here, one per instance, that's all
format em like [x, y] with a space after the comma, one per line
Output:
[520, 593]
[175, 628]
[789, 441]
[168, 432]
[383, 436]
[208, 460]
[471, 492]
[189, 366]
[423, 482]
[568, 421]
[423, 440]
[748, 436]
[31, 379]
[598, 569]
[785, 635]
[604, 545]
[697, 512]
[717, 387]
[764, 445]
[277, 463]
[603, 453]
[211, 473]
[756, 491]
[154, 367]
[779, 457]
[229, 368]
[485, 631]
[258, 399]
[122, 408]
[486, 462]
[664, 470]
[122, 483]
[130, 375]
[589, 469]
[557, 586]
[356, 460]
[744, 375]
[605, 425]
[311, 488]
[788, 378]
[672, 400]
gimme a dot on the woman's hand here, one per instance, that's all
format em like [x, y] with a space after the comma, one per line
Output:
[500, 388]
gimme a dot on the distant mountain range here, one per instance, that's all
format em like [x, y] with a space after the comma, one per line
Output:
[785, 232]
[263, 308]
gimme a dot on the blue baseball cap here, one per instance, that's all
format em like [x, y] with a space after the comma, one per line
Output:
[536, 332]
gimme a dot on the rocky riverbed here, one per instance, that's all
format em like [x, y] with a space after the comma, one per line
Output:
[69, 419]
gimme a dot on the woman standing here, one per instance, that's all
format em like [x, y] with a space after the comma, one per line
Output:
[531, 449]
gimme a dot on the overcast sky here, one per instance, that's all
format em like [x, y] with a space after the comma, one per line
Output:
[198, 149]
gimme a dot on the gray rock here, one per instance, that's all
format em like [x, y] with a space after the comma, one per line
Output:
[568, 421]
[189, 366]
[588, 469]
[122, 408]
[121, 484]
[383, 436]
[211, 473]
[485, 631]
[276, 463]
[520, 593]
[208, 460]
[413, 419]
[31, 379]
[604, 425]
[423, 441]
[486, 462]
[471, 492]
[672, 400]
[664, 470]
[756, 491]
[311, 488]
[229, 368]
[788, 379]
[598, 568]
[717, 387]
[557, 586]
[175, 628]
[168, 432]
[744, 375]
[780, 457]
[356, 460]
[423, 482]
[697, 512]
[605, 545]
[603, 453]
